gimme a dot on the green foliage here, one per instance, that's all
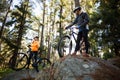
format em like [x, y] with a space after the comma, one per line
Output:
[107, 56]
[43, 51]
[9, 23]
[18, 18]
[104, 25]
[12, 37]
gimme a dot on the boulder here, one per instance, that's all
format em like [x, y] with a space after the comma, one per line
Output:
[80, 68]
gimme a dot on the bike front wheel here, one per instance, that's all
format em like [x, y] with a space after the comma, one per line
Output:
[64, 46]
[20, 62]
[43, 63]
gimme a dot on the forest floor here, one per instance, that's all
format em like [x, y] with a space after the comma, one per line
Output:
[26, 74]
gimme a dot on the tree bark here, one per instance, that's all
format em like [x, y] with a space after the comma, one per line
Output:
[42, 32]
[60, 23]
[77, 3]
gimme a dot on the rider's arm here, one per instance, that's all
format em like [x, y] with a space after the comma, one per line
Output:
[74, 22]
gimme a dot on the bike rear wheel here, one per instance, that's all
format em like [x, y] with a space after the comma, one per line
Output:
[64, 46]
[21, 62]
[42, 64]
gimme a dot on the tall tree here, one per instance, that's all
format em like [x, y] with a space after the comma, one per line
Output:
[111, 23]
[60, 22]
[5, 18]
[105, 24]
[43, 22]
[19, 19]
[4, 21]
[77, 3]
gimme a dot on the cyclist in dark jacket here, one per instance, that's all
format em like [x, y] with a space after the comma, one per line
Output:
[81, 22]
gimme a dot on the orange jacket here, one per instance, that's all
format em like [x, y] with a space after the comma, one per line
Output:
[35, 46]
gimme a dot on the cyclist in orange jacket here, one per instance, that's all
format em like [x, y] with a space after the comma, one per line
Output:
[35, 44]
[34, 50]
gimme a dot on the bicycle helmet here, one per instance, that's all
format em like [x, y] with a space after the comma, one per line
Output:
[77, 8]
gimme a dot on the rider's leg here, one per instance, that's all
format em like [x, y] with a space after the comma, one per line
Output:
[29, 59]
[86, 41]
[79, 38]
[85, 37]
[35, 59]
[35, 56]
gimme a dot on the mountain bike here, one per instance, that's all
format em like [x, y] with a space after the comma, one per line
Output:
[66, 43]
[22, 61]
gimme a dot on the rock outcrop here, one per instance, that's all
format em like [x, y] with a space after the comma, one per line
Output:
[80, 68]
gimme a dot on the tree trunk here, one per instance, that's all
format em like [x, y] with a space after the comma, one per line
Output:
[42, 32]
[4, 21]
[72, 7]
[77, 3]
[20, 34]
[53, 30]
[49, 47]
[60, 23]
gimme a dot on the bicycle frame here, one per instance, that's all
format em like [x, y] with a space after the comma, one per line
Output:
[65, 47]
[72, 34]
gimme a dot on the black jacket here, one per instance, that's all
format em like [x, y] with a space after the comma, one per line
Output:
[81, 20]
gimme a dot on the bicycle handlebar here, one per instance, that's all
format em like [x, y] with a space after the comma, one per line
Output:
[71, 28]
